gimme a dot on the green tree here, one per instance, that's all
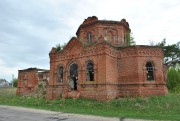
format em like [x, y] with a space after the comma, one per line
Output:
[130, 40]
[173, 82]
[60, 47]
[15, 82]
[171, 53]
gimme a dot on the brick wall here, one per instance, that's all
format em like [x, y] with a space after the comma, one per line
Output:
[114, 32]
[28, 79]
[119, 71]
[133, 78]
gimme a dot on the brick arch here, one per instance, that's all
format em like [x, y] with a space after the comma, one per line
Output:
[150, 61]
[73, 73]
[145, 69]
[93, 61]
[59, 66]
[74, 62]
[89, 60]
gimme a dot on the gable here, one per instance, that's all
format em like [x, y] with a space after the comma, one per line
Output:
[73, 47]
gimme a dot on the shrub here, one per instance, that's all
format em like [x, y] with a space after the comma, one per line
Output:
[173, 79]
[15, 82]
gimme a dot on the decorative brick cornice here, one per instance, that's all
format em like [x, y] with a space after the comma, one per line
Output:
[91, 21]
[140, 50]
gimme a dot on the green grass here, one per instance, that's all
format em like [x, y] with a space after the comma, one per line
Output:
[154, 108]
[7, 92]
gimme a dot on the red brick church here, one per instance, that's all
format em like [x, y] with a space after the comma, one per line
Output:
[98, 64]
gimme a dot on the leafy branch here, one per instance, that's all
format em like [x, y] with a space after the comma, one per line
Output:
[60, 47]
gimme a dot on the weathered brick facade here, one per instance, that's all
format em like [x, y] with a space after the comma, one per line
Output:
[105, 66]
[29, 79]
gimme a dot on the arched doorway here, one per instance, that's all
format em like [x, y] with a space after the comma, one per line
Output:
[73, 74]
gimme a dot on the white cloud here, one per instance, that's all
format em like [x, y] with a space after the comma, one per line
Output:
[6, 72]
[30, 28]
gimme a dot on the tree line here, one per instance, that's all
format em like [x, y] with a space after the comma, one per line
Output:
[172, 63]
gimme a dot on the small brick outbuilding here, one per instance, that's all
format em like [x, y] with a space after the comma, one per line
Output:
[30, 78]
[99, 64]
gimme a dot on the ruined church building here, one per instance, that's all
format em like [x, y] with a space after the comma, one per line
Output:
[101, 66]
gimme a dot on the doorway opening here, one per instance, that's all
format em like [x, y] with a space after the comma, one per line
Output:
[73, 76]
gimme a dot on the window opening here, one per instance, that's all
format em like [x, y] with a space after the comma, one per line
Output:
[60, 74]
[73, 80]
[90, 71]
[149, 71]
[89, 37]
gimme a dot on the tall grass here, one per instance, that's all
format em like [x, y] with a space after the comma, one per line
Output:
[155, 107]
[7, 92]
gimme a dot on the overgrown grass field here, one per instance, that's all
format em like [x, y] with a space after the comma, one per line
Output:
[154, 108]
[7, 92]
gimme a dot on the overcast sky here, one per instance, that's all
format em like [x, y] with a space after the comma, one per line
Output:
[30, 28]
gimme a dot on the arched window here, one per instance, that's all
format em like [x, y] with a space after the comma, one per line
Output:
[149, 71]
[90, 71]
[110, 36]
[89, 37]
[60, 74]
